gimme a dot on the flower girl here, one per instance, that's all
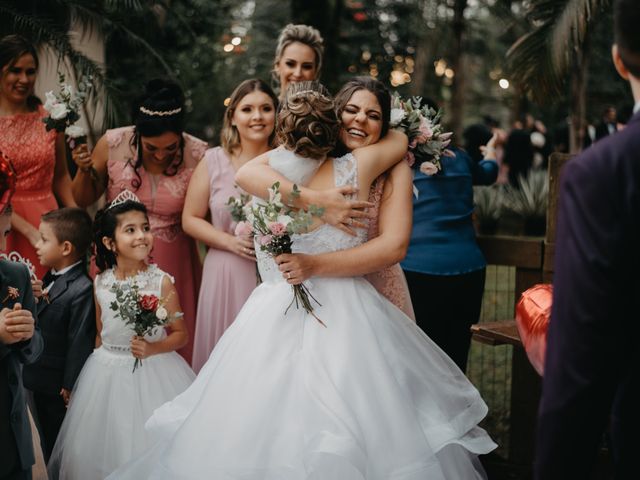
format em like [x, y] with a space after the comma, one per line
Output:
[129, 374]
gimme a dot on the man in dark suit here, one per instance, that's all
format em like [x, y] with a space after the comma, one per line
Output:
[609, 124]
[67, 317]
[20, 343]
[592, 372]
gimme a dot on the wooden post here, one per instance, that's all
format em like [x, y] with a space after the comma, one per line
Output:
[556, 162]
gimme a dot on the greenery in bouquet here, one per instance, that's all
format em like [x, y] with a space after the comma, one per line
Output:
[143, 313]
[64, 109]
[428, 141]
[240, 210]
[273, 224]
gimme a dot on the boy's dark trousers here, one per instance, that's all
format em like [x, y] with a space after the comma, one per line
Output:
[68, 322]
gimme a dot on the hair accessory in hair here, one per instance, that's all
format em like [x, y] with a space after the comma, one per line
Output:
[8, 181]
[311, 93]
[122, 197]
[160, 113]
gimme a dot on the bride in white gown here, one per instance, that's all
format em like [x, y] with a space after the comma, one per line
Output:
[282, 397]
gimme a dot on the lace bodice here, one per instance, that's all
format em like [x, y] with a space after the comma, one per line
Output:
[325, 238]
[162, 195]
[116, 334]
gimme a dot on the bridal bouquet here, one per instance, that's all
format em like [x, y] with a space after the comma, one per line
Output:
[144, 313]
[64, 110]
[273, 225]
[421, 123]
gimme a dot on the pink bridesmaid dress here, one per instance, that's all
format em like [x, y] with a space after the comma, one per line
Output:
[390, 281]
[173, 251]
[227, 279]
[32, 151]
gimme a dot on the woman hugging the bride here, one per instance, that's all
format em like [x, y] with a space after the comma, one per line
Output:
[367, 395]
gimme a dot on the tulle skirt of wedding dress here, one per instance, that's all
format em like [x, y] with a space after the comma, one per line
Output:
[282, 397]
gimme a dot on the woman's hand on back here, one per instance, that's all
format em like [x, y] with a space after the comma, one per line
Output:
[340, 212]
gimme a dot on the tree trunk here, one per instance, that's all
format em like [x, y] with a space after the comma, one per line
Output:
[325, 16]
[458, 87]
[578, 103]
[425, 49]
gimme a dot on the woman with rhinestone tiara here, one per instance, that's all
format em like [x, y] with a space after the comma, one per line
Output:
[369, 396]
[104, 425]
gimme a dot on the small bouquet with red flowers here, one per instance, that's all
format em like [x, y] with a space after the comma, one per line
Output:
[64, 110]
[427, 139]
[273, 225]
[144, 313]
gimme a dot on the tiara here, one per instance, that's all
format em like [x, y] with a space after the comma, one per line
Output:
[160, 113]
[122, 197]
[313, 93]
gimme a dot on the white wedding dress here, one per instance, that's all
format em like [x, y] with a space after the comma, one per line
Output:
[282, 397]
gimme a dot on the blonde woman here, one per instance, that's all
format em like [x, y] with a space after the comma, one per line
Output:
[298, 56]
[229, 272]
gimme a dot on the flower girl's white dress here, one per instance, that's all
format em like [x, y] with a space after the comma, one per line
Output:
[104, 425]
[284, 398]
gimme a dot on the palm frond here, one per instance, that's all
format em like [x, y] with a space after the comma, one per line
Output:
[539, 60]
[571, 28]
[135, 5]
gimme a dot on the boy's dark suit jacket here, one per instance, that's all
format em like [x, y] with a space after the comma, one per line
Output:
[592, 369]
[16, 449]
[68, 324]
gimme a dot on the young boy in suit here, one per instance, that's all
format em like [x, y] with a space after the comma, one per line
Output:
[67, 317]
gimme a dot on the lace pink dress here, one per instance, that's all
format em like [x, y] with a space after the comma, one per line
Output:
[227, 279]
[32, 151]
[173, 251]
[389, 281]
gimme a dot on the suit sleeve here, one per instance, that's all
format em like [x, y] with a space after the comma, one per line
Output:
[30, 350]
[81, 335]
[588, 339]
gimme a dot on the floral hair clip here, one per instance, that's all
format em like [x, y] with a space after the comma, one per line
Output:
[160, 113]
[122, 197]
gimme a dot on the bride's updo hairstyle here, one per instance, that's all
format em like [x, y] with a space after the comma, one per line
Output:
[105, 224]
[307, 123]
[158, 110]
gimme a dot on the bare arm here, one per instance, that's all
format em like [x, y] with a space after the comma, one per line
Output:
[19, 224]
[394, 225]
[375, 159]
[257, 176]
[178, 333]
[91, 180]
[195, 210]
[61, 177]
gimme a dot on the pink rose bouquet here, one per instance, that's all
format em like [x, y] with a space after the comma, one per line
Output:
[421, 123]
[274, 224]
